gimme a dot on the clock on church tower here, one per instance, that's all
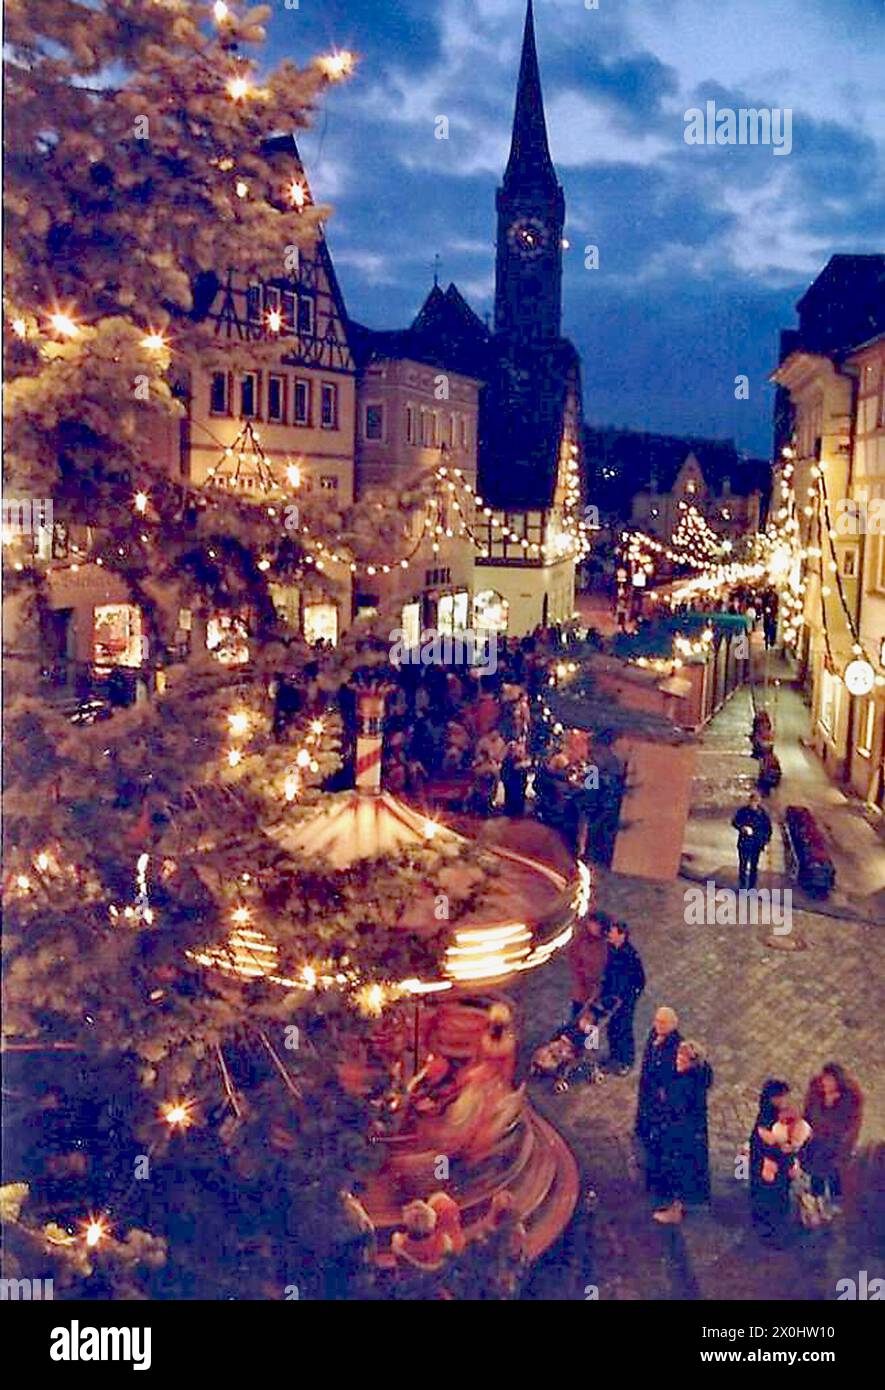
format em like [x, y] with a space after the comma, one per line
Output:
[531, 217]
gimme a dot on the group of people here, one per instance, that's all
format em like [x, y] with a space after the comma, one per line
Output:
[797, 1155]
[607, 981]
[671, 1118]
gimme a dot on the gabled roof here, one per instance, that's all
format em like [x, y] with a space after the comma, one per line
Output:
[621, 463]
[445, 333]
[843, 307]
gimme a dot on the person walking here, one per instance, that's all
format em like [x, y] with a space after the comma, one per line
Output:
[622, 983]
[834, 1109]
[655, 1083]
[685, 1148]
[753, 825]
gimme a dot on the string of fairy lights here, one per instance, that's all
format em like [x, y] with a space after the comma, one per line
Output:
[693, 544]
[791, 561]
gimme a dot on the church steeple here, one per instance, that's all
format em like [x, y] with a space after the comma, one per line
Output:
[529, 151]
[531, 217]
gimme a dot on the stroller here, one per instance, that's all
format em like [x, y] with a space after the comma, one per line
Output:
[572, 1051]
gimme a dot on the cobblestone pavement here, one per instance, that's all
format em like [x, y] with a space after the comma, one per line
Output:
[761, 1012]
[725, 775]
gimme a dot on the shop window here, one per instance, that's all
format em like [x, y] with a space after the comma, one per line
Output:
[451, 613]
[117, 635]
[491, 612]
[321, 623]
[829, 702]
[411, 625]
[227, 639]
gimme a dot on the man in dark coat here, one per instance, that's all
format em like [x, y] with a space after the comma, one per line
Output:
[655, 1083]
[753, 825]
[622, 983]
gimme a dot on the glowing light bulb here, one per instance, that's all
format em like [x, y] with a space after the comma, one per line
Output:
[297, 194]
[177, 1113]
[303, 758]
[234, 757]
[238, 88]
[64, 325]
[95, 1229]
[238, 722]
[317, 726]
[242, 189]
[274, 320]
[154, 342]
[293, 475]
[43, 861]
[140, 502]
[336, 66]
[241, 916]
[220, 11]
[23, 882]
[19, 328]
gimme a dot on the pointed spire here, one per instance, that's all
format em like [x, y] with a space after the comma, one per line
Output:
[529, 160]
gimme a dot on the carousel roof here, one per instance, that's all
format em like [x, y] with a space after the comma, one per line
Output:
[523, 915]
[362, 827]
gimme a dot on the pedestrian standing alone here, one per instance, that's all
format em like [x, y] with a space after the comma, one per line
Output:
[622, 983]
[753, 825]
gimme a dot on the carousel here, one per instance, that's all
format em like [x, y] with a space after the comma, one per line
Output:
[438, 1068]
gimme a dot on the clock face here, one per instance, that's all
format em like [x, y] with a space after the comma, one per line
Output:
[529, 237]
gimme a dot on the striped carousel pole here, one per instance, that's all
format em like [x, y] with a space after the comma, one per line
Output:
[369, 741]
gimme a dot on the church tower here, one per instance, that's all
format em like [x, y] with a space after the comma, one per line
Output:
[531, 217]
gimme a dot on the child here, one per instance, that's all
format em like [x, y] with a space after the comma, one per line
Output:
[566, 1053]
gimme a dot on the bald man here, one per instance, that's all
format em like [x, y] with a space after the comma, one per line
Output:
[655, 1081]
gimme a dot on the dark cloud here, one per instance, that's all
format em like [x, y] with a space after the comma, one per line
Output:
[704, 250]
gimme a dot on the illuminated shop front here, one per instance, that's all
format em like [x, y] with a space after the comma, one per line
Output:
[117, 636]
[321, 623]
[491, 612]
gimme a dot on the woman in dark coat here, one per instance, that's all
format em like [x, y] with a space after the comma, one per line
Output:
[770, 1165]
[833, 1108]
[684, 1144]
